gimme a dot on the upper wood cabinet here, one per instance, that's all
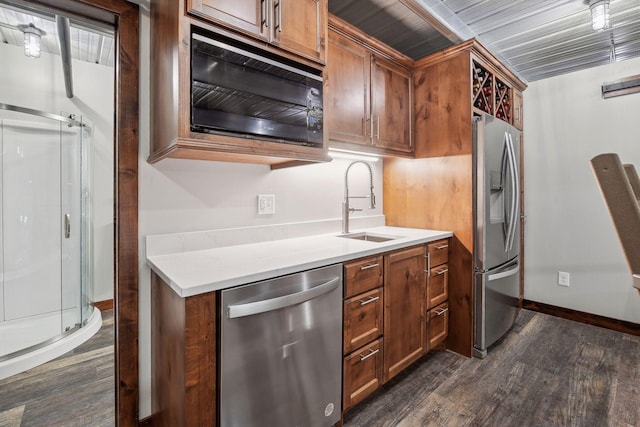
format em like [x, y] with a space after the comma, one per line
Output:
[453, 85]
[391, 105]
[247, 16]
[347, 104]
[299, 26]
[368, 93]
[171, 26]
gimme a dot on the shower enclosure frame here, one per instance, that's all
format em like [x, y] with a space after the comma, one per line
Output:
[75, 268]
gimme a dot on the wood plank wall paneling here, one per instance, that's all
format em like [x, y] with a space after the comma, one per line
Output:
[123, 16]
[437, 193]
[582, 317]
[442, 112]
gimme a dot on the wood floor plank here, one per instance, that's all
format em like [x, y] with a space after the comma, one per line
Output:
[547, 371]
[76, 389]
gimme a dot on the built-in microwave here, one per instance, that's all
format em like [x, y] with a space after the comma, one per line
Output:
[242, 91]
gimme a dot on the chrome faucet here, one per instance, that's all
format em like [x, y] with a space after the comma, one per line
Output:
[345, 204]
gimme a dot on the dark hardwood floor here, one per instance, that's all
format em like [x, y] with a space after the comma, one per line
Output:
[546, 372]
[76, 389]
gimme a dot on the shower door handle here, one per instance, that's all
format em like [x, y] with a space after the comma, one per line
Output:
[67, 225]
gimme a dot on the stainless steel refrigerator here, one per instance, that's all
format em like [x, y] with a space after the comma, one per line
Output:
[497, 230]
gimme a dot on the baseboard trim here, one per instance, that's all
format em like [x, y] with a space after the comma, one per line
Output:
[104, 305]
[582, 317]
[145, 421]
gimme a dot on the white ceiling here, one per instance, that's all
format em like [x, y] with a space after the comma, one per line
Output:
[536, 38]
[87, 44]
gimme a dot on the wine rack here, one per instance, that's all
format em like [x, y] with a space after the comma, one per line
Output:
[482, 88]
[503, 101]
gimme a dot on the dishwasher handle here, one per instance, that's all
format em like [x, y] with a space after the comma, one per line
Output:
[257, 307]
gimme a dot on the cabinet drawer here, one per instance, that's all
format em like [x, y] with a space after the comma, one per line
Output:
[362, 319]
[439, 252]
[438, 286]
[362, 275]
[437, 325]
[362, 373]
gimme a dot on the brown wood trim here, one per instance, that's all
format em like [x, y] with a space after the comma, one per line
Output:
[483, 55]
[147, 421]
[582, 317]
[344, 28]
[104, 305]
[124, 16]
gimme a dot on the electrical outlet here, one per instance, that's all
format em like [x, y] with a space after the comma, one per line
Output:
[564, 278]
[266, 204]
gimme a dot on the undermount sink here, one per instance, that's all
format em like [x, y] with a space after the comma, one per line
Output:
[369, 237]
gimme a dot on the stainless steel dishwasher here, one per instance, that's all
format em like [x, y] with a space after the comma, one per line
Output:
[281, 351]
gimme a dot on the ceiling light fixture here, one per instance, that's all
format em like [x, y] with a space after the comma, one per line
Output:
[599, 14]
[32, 35]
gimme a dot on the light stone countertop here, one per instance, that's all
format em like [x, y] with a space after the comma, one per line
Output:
[195, 272]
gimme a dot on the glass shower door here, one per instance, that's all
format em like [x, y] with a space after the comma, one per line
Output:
[43, 182]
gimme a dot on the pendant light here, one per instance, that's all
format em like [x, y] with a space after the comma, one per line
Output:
[599, 14]
[32, 35]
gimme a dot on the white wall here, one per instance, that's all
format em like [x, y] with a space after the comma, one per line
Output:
[568, 227]
[39, 84]
[190, 195]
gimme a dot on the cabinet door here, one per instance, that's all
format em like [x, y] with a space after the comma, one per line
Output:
[437, 325]
[362, 275]
[347, 91]
[438, 286]
[300, 26]
[362, 373]
[438, 252]
[517, 109]
[391, 105]
[362, 319]
[248, 16]
[404, 309]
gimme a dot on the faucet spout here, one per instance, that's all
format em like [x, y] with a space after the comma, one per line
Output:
[345, 204]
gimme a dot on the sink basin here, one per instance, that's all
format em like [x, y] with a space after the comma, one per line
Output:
[369, 237]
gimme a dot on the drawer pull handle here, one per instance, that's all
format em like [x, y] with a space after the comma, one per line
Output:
[367, 267]
[441, 311]
[442, 247]
[442, 271]
[368, 301]
[366, 356]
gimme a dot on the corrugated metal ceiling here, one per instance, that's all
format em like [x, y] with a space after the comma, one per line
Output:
[87, 44]
[537, 39]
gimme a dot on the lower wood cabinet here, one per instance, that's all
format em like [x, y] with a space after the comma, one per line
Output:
[404, 309]
[437, 325]
[362, 319]
[362, 373]
[438, 285]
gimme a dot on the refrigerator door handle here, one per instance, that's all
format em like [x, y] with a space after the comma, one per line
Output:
[506, 162]
[503, 274]
[515, 192]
